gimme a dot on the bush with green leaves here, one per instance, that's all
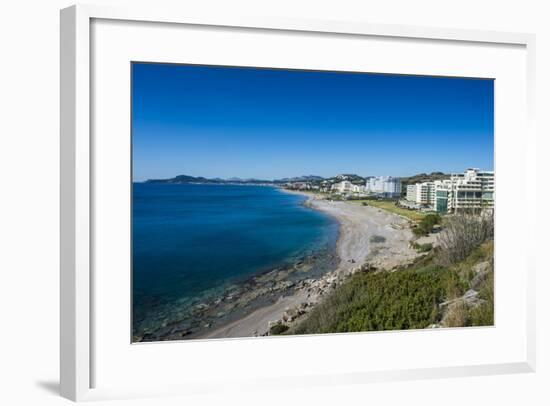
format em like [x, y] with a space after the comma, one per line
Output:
[407, 298]
[427, 224]
[377, 239]
[277, 329]
[427, 247]
[381, 301]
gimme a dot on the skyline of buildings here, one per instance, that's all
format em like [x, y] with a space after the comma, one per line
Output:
[384, 186]
[472, 190]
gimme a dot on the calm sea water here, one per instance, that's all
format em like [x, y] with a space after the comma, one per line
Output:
[192, 239]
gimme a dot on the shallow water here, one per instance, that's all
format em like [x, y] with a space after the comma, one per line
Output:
[191, 243]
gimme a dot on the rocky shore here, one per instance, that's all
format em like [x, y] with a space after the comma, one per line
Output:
[185, 320]
[370, 239]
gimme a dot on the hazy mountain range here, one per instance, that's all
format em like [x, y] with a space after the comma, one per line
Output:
[356, 179]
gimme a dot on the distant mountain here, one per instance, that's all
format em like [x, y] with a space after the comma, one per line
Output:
[182, 179]
[424, 177]
[312, 179]
[420, 178]
[308, 178]
[350, 177]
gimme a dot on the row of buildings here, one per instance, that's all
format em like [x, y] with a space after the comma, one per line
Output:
[472, 190]
[381, 186]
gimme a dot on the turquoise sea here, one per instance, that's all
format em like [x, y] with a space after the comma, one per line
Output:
[192, 240]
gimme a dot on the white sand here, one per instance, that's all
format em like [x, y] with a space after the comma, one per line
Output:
[357, 225]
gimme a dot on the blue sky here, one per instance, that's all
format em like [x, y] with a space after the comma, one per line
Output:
[268, 123]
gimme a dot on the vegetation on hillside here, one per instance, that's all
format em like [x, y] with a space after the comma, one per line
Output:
[438, 289]
[462, 234]
[426, 225]
[420, 178]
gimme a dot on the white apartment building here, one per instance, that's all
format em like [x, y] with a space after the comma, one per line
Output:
[343, 187]
[348, 187]
[411, 193]
[421, 193]
[386, 186]
[472, 190]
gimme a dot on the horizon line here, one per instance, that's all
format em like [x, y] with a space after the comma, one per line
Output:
[271, 179]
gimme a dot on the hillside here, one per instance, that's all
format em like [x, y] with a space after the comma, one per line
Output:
[183, 179]
[424, 177]
[422, 295]
[451, 286]
[312, 179]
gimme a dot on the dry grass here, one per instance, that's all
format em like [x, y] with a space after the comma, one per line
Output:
[461, 235]
[392, 208]
[457, 315]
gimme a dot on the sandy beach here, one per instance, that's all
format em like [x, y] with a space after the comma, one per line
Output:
[355, 247]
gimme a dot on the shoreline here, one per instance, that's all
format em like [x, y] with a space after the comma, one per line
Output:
[193, 317]
[354, 248]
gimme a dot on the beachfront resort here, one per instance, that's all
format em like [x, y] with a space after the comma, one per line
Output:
[472, 190]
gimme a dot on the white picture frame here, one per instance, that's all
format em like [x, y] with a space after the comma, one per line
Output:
[77, 283]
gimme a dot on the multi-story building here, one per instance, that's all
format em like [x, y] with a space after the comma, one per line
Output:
[348, 187]
[298, 185]
[343, 187]
[472, 190]
[411, 193]
[421, 193]
[385, 186]
[440, 200]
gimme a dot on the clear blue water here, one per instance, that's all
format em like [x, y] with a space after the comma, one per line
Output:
[189, 239]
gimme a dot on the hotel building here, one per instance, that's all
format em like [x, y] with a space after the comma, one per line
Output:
[347, 187]
[472, 190]
[384, 186]
[343, 187]
[421, 193]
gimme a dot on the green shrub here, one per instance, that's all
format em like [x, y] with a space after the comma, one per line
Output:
[406, 298]
[381, 301]
[423, 247]
[430, 268]
[419, 231]
[431, 219]
[427, 224]
[482, 315]
[377, 239]
[277, 329]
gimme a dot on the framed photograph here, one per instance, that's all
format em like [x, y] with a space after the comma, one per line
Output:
[269, 202]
